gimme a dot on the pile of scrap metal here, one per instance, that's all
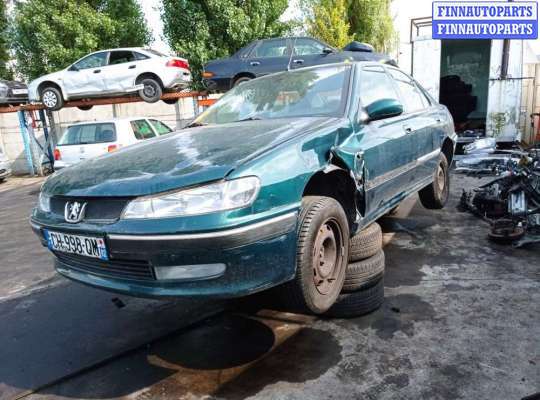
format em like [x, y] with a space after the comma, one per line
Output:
[511, 202]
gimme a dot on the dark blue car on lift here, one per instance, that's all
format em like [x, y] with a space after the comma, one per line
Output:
[267, 56]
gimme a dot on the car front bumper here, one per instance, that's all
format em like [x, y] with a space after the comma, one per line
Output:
[219, 264]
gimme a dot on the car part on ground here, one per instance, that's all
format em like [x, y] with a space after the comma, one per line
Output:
[366, 243]
[322, 255]
[267, 56]
[361, 302]
[435, 195]
[511, 202]
[362, 273]
[116, 72]
[13, 92]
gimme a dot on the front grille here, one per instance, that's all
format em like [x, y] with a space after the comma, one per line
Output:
[97, 209]
[126, 269]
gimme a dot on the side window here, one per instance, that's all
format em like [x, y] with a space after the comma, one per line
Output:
[142, 130]
[93, 61]
[412, 97]
[160, 127]
[307, 46]
[375, 84]
[271, 48]
[120, 57]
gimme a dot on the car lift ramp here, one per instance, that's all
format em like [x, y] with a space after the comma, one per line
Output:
[35, 152]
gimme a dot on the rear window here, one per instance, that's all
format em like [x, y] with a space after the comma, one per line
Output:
[89, 134]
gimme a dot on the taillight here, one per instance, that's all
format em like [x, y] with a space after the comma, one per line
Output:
[175, 62]
[57, 155]
[111, 148]
[207, 74]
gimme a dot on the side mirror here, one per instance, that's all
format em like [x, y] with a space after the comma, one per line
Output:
[384, 108]
[327, 50]
[73, 68]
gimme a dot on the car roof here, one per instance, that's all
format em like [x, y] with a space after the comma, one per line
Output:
[110, 121]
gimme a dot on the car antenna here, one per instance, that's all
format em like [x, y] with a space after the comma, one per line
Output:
[290, 57]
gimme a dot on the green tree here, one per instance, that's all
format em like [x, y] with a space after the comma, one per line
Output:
[201, 30]
[48, 35]
[370, 21]
[329, 23]
[366, 20]
[5, 71]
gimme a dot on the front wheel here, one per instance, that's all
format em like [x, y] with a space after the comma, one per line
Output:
[151, 91]
[52, 98]
[322, 255]
[435, 195]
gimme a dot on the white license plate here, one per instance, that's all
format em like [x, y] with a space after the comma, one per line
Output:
[20, 91]
[82, 245]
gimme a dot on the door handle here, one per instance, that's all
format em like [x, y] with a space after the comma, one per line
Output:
[299, 61]
[254, 63]
[438, 119]
[132, 66]
[97, 71]
[407, 129]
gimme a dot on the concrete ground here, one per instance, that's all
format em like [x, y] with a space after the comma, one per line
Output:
[460, 321]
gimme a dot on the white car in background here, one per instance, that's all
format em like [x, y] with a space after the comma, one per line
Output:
[112, 72]
[90, 139]
[5, 166]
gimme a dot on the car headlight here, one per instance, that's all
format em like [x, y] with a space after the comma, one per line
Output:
[221, 196]
[44, 202]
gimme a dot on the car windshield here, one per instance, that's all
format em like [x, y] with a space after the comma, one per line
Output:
[89, 134]
[303, 93]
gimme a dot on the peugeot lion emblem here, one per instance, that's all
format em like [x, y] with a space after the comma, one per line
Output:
[74, 211]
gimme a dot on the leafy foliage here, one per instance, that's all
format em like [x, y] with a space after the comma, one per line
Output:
[5, 72]
[48, 35]
[339, 21]
[202, 30]
[329, 23]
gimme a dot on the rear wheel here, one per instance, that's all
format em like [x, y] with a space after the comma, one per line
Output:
[170, 101]
[85, 108]
[435, 195]
[52, 98]
[241, 80]
[152, 91]
[322, 254]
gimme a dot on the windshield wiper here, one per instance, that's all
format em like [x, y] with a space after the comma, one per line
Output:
[249, 119]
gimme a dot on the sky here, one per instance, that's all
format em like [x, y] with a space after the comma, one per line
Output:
[402, 11]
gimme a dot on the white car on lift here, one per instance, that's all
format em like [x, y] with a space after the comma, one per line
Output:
[112, 72]
[90, 139]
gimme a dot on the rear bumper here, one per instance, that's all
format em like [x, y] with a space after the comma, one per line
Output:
[219, 264]
[218, 84]
[176, 78]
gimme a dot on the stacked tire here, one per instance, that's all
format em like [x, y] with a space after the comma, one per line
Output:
[363, 289]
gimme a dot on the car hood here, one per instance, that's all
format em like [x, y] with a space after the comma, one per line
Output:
[185, 158]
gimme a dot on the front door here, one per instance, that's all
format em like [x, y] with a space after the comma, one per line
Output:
[85, 77]
[269, 56]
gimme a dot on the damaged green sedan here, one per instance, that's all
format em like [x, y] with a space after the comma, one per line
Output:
[263, 189]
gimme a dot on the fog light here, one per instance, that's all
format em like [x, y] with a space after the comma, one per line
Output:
[189, 272]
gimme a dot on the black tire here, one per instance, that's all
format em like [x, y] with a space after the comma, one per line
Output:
[366, 243]
[435, 196]
[152, 91]
[85, 108]
[322, 254]
[170, 102]
[358, 303]
[242, 79]
[51, 98]
[364, 273]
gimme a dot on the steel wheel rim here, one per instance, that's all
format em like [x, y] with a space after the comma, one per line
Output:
[49, 99]
[441, 179]
[149, 90]
[327, 256]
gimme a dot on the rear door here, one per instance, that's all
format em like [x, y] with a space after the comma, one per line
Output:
[269, 56]
[159, 127]
[84, 141]
[120, 73]
[423, 122]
